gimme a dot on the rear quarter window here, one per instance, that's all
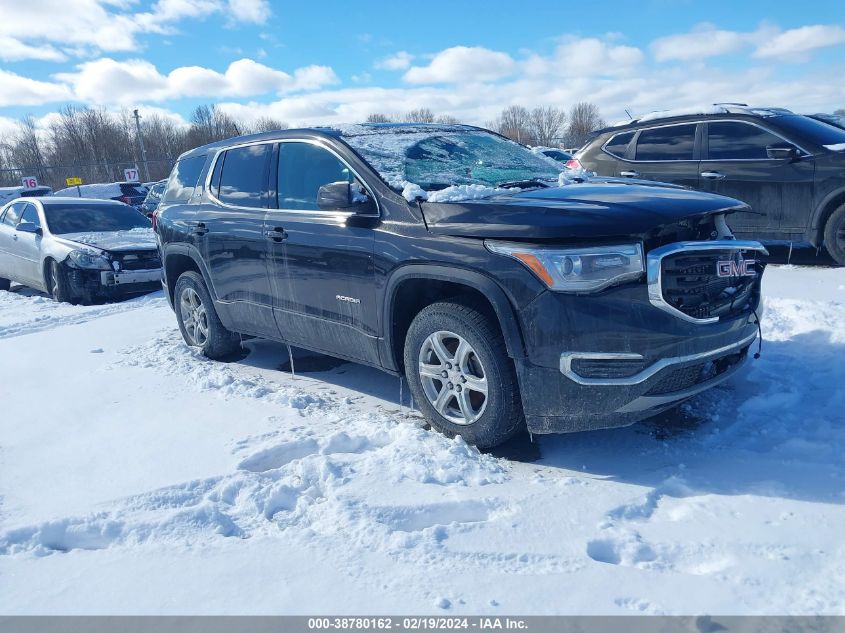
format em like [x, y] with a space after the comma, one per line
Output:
[618, 144]
[183, 180]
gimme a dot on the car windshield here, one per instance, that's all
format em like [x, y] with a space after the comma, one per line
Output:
[437, 157]
[76, 218]
[812, 129]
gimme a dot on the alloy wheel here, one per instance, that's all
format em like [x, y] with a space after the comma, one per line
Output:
[453, 378]
[194, 317]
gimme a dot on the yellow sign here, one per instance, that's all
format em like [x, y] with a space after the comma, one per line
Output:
[73, 181]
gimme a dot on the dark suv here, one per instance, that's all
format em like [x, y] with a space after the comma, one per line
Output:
[789, 168]
[450, 255]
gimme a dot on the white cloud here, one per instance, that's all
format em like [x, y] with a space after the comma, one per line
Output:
[399, 61]
[705, 40]
[77, 26]
[254, 11]
[13, 50]
[584, 57]
[108, 81]
[800, 41]
[462, 64]
[18, 90]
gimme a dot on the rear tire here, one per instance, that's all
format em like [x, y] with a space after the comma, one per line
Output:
[478, 398]
[57, 283]
[834, 235]
[198, 321]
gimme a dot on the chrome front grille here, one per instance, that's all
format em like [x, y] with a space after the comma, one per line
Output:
[702, 282]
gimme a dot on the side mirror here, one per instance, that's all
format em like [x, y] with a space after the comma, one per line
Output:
[335, 195]
[782, 152]
[343, 195]
[28, 227]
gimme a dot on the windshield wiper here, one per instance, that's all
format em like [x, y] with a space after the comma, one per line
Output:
[528, 183]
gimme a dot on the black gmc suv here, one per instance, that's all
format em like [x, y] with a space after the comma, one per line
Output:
[789, 168]
[450, 255]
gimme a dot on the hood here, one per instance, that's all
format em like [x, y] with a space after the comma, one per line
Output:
[114, 241]
[585, 210]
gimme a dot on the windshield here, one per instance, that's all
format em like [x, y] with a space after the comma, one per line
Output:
[75, 218]
[439, 157]
[812, 129]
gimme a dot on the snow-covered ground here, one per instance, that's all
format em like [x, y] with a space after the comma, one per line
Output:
[137, 477]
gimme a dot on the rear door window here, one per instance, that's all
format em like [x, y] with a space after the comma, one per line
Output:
[243, 179]
[732, 140]
[13, 214]
[183, 179]
[669, 143]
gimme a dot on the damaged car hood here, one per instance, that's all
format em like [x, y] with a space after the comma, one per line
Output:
[114, 241]
[590, 209]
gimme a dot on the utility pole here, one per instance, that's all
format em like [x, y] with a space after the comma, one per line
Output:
[141, 143]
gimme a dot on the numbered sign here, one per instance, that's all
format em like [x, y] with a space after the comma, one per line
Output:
[131, 174]
[30, 182]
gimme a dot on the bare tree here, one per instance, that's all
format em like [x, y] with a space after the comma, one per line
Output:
[447, 119]
[378, 117]
[839, 112]
[515, 123]
[546, 124]
[584, 117]
[420, 115]
[267, 124]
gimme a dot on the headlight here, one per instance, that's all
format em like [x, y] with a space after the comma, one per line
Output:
[586, 269]
[91, 261]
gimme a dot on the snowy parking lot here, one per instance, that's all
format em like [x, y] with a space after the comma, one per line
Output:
[138, 477]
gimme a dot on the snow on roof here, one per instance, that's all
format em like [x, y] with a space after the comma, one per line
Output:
[715, 108]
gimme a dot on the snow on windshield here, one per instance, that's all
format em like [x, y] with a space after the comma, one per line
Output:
[446, 163]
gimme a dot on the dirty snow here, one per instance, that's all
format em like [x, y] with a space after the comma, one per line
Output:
[138, 477]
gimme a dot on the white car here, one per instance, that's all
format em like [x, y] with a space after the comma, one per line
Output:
[77, 249]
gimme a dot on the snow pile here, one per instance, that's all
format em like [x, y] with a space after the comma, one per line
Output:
[838, 147]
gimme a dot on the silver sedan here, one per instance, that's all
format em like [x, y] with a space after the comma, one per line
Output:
[77, 249]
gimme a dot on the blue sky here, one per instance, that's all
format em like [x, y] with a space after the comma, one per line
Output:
[310, 62]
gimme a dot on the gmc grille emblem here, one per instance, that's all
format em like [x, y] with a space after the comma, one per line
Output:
[742, 268]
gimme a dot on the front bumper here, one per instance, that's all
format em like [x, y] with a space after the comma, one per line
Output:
[108, 284]
[612, 359]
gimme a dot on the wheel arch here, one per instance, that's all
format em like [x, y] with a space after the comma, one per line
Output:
[179, 258]
[415, 286]
[824, 210]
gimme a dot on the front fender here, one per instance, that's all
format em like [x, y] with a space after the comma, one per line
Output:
[494, 293]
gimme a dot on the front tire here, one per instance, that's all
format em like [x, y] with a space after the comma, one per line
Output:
[198, 320]
[57, 283]
[460, 375]
[834, 235]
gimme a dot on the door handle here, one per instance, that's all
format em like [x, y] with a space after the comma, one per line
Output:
[15, 236]
[200, 228]
[712, 175]
[629, 174]
[277, 234]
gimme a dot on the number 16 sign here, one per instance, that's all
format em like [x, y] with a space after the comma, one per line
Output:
[29, 182]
